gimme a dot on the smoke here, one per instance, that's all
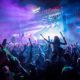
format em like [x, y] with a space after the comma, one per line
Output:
[13, 17]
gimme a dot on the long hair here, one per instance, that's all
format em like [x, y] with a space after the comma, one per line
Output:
[56, 39]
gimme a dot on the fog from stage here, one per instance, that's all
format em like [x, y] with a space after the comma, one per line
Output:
[21, 22]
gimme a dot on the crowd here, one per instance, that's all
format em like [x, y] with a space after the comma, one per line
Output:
[40, 61]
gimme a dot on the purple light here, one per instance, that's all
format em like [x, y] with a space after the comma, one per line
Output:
[12, 17]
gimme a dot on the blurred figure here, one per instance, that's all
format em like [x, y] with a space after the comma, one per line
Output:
[58, 51]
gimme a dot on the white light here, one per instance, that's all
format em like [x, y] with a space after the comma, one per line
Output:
[36, 10]
[15, 35]
[54, 14]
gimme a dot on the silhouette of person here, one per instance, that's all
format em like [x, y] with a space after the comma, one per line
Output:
[57, 44]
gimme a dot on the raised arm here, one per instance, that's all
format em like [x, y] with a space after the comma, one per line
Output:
[65, 42]
[30, 56]
[46, 39]
[30, 42]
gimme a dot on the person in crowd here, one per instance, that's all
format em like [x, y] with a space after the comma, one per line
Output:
[10, 63]
[64, 66]
[58, 51]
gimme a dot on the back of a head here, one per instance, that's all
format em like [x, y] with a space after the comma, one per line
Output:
[68, 73]
[56, 39]
[4, 42]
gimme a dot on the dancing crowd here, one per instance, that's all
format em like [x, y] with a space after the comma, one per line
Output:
[45, 61]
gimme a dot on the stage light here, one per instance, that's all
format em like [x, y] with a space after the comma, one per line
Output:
[36, 10]
[51, 34]
[15, 35]
[50, 31]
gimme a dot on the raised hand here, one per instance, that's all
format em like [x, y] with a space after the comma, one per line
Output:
[63, 38]
[44, 38]
[41, 35]
[30, 41]
[61, 34]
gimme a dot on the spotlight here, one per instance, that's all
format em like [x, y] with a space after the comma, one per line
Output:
[36, 10]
